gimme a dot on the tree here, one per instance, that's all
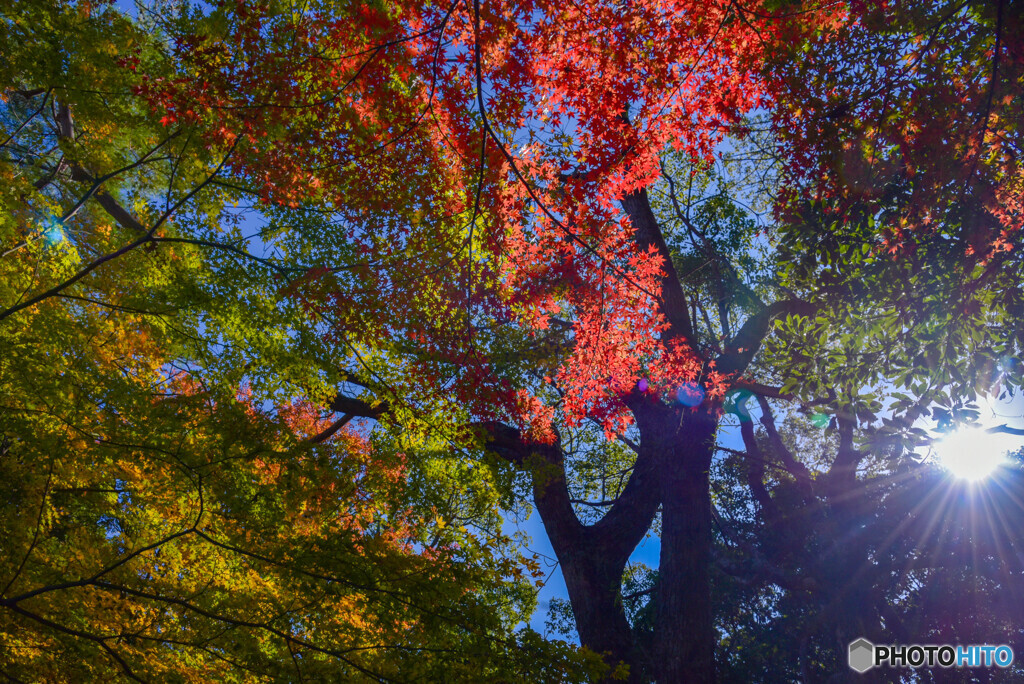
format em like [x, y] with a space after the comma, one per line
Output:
[899, 213]
[898, 138]
[500, 221]
[542, 162]
[173, 507]
[902, 195]
[526, 152]
[821, 568]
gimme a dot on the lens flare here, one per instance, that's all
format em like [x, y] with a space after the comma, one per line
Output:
[53, 232]
[690, 394]
[736, 404]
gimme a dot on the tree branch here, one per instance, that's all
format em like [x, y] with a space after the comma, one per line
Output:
[755, 472]
[843, 471]
[637, 206]
[358, 407]
[794, 467]
[740, 351]
[143, 239]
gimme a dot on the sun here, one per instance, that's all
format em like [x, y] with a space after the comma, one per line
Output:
[973, 453]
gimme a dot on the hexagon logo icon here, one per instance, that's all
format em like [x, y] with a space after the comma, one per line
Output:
[862, 655]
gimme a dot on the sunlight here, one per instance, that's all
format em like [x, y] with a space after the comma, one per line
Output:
[973, 453]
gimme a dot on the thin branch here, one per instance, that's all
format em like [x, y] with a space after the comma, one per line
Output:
[798, 470]
[35, 534]
[147, 237]
[26, 122]
[595, 504]
[102, 641]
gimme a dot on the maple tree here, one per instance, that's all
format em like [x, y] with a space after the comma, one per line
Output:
[173, 508]
[497, 222]
[519, 128]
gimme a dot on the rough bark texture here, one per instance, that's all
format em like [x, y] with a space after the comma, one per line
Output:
[592, 557]
[671, 469]
[593, 583]
[683, 622]
[590, 566]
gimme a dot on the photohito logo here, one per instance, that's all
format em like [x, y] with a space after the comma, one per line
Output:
[865, 655]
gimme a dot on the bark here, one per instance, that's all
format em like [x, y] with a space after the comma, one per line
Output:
[680, 443]
[672, 469]
[647, 234]
[590, 565]
[684, 641]
[593, 580]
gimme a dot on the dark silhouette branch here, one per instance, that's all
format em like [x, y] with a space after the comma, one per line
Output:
[755, 472]
[794, 467]
[647, 232]
[740, 351]
[358, 407]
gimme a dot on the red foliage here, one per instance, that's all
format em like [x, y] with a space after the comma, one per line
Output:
[912, 108]
[376, 113]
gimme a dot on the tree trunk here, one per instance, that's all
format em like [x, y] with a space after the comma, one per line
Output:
[594, 582]
[684, 625]
[593, 557]
[672, 466]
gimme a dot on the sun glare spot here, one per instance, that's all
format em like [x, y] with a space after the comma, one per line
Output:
[972, 453]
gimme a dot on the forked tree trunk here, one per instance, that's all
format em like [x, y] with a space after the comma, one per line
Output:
[672, 467]
[593, 557]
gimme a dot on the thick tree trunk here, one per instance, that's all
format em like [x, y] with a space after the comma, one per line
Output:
[672, 466]
[684, 624]
[593, 560]
[594, 582]
[593, 557]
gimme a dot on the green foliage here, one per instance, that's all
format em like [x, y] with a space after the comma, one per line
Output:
[173, 506]
[900, 205]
